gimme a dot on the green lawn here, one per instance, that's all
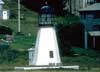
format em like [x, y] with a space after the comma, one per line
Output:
[83, 61]
[23, 42]
[27, 26]
[54, 71]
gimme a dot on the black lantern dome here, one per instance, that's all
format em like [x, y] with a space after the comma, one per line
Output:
[46, 9]
[46, 15]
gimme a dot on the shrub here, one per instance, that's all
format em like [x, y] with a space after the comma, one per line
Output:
[92, 53]
[86, 52]
[10, 56]
[79, 51]
[1, 36]
[5, 30]
[6, 54]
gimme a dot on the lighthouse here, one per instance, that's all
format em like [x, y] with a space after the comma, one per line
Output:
[46, 51]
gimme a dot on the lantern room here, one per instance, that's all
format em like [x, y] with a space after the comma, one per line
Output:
[46, 16]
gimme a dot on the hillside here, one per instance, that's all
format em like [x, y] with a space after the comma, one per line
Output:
[16, 52]
[28, 18]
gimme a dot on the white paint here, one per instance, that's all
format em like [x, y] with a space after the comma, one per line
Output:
[94, 33]
[46, 42]
[1, 2]
[49, 67]
[31, 54]
[5, 15]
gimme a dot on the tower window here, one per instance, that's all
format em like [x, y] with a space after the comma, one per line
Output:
[51, 54]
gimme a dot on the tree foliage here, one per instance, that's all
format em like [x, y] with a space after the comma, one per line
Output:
[5, 30]
[10, 56]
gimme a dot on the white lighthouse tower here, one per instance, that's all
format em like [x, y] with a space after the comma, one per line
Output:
[46, 51]
[1, 8]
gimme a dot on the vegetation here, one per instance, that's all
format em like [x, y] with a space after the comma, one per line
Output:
[68, 20]
[84, 58]
[23, 42]
[86, 52]
[11, 56]
[55, 71]
[15, 53]
[29, 23]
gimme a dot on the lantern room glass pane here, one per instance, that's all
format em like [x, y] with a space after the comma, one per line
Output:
[45, 19]
[49, 19]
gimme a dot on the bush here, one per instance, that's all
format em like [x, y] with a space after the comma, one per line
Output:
[12, 57]
[79, 51]
[6, 54]
[92, 53]
[5, 30]
[85, 52]
[4, 47]
[1, 36]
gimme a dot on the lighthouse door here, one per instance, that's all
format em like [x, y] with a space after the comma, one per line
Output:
[51, 56]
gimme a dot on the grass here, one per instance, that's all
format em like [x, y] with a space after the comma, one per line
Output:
[27, 26]
[82, 61]
[52, 71]
[23, 42]
[29, 18]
